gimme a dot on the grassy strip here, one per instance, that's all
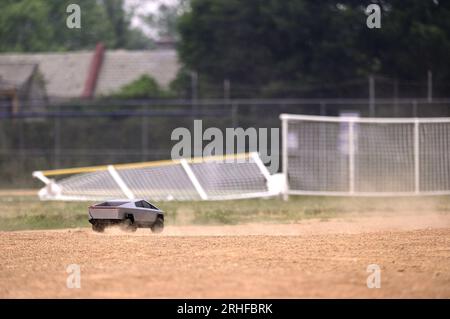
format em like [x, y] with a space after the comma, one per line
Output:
[26, 212]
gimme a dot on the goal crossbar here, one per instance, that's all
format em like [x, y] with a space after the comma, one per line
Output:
[220, 177]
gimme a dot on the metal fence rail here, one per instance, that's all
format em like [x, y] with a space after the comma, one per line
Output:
[91, 132]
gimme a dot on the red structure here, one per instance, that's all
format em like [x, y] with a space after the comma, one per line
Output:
[94, 71]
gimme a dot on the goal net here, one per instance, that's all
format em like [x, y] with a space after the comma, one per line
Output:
[210, 178]
[366, 156]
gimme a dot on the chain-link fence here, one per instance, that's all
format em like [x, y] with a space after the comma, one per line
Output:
[109, 132]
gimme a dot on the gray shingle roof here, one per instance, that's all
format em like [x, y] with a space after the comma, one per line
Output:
[65, 73]
[123, 67]
[15, 75]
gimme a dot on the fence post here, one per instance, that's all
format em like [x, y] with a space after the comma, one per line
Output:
[194, 94]
[414, 108]
[351, 157]
[19, 125]
[226, 89]
[323, 109]
[234, 115]
[194, 86]
[144, 138]
[430, 86]
[284, 155]
[416, 157]
[3, 140]
[57, 145]
[396, 112]
[371, 96]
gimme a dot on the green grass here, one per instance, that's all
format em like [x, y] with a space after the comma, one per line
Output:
[27, 212]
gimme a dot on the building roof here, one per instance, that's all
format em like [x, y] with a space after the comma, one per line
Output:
[15, 75]
[65, 74]
[120, 68]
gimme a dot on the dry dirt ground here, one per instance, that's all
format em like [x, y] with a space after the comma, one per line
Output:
[310, 259]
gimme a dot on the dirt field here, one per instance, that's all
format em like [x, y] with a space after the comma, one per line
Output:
[310, 259]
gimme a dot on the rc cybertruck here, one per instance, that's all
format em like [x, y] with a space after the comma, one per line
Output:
[128, 214]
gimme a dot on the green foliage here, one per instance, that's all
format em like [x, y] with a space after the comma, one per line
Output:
[303, 42]
[144, 87]
[414, 38]
[165, 20]
[40, 25]
[181, 85]
[23, 26]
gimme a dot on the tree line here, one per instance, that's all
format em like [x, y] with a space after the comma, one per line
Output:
[271, 45]
[40, 25]
[266, 46]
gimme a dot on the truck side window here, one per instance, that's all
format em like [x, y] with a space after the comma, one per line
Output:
[139, 204]
[148, 205]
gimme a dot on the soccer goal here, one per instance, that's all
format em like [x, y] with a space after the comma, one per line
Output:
[353, 156]
[210, 178]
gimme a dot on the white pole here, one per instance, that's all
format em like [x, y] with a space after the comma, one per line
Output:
[39, 175]
[198, 187]
[416, 157]
[112, 171]
[261, 166]
[284, 155]
[351, 155]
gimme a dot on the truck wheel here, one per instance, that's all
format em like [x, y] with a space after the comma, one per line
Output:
[158, 226]
[98, 228]
[128, 226]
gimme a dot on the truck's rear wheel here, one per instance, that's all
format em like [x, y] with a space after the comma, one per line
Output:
[98, 227]
[128, 226]
[158, 226]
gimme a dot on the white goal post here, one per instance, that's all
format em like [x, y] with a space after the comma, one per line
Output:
[352, 156]
[236, 176]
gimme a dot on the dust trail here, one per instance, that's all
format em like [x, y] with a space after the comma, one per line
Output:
[349, 224]
[397, 219]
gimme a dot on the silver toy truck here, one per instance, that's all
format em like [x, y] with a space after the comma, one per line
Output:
[128, 214]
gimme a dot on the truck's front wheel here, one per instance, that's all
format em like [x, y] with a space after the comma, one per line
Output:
[158, 226]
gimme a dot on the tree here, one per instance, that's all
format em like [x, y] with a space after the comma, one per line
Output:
[144, 87]
[23, 26]
[40, 25]
[272, 44]
[414, 38]
[164, 22]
